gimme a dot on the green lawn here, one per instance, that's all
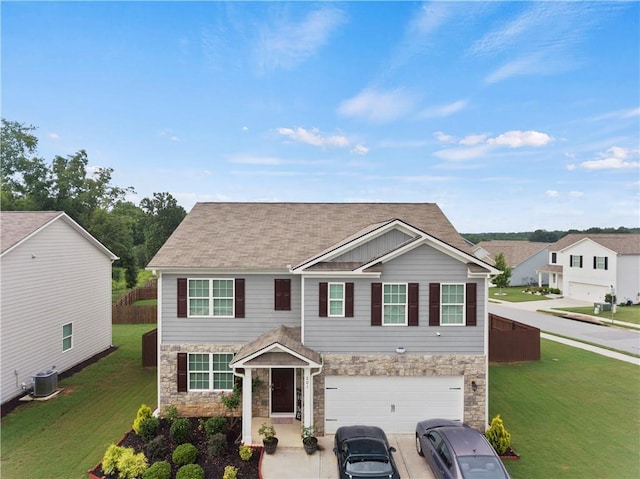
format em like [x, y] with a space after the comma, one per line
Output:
[65, 437]
[146, 302]
[573, 414]
[628, 314]
[514, 294]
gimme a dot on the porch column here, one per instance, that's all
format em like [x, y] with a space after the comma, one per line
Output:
[540, 278]
[247, 413]
[308, 398]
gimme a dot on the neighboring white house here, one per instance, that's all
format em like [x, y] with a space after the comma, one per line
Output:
[524, 258]
[55, 303]
[589, 266]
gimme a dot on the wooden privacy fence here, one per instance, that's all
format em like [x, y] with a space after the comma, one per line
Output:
[510, 341]
[123, 311]
[150, 349]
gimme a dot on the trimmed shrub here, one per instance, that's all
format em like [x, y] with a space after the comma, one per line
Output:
[180, 430]
[184, 454]
[131, 465]
[157, 448]
[171, 412]
[498, 436]
[230, 472]
[148, 428]
[245, 452]
[190, 471]
[215, 425]
[217, 444]
[158, 470]
[143, 413]
[110, 458]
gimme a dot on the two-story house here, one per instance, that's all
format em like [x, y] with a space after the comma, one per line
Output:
[523, 257]
[590, 266]
[329, 313]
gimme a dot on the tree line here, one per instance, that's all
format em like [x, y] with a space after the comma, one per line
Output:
[66, 183]
[542, 236]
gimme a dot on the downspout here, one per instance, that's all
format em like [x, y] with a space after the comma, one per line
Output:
[302, 309]
[159, 339]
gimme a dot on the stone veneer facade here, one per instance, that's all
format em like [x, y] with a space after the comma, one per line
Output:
[195, 404]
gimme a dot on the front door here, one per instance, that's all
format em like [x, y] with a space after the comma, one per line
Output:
[282, 390]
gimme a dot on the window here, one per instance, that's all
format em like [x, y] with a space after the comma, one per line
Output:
[600, 262]
[67, 337]
[394, 304]
[554, 258]
[452, 304]
[336, 299]
[210, 372]
[282, 293]
[575, 261]
[211, 297]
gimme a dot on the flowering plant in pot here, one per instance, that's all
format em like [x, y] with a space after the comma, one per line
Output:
[269, 439]
[309, 441]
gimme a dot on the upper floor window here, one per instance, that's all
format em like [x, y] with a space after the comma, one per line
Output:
[211, 297]
[575, 261]
[67, 337]
[600, 262]
[210, 372]
[452, 304]
[394, 304]
[554, 258]
[336, 299]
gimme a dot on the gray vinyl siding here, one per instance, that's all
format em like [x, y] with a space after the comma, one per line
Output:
[375, 248]
[53, 278]
[423, 265]
[260, 314]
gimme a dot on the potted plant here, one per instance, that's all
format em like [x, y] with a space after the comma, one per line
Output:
[269, 439]
[309, 441]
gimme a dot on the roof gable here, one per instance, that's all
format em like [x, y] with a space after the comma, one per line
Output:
[515, 252]
[278, 236]
[620, 243]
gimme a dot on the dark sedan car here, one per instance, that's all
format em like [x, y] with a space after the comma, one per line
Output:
[363, 453]
[457, 451]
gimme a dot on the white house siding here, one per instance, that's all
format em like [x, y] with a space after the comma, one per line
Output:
[53, 278]
[356, 335]
[260, 315]
[587, 283]
[628, 281]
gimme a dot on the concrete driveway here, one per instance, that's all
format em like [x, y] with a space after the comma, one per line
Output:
[294, 463]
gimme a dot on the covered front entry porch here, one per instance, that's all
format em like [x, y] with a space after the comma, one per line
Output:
[287, 367]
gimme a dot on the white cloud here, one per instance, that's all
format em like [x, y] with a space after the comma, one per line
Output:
[615, 158]
[618, 114]
[443, 137]
[53, 136]
[471, 140]
[378, 106]
[444, 110]
[256, 160]
[245, 128]
[462, 154]
[552, 193]
[314, 137]
[360, 150]
[517, 139]
[576, 194]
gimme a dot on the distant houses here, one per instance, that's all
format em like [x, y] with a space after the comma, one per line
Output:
[523, 257]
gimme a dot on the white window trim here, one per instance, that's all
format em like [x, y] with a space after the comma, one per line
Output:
[464, 305]
[65, 337]
[210, 372]
[577, 257]
[342, 301]
[211, 298]
[601, 265]
[406, 305]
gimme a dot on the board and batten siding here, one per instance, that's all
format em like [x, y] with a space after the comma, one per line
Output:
[53, 278]
[260, 313]
[375, 247]
[422, 265]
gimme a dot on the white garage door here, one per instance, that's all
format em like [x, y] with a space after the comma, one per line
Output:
[587, 292]
[395, 404]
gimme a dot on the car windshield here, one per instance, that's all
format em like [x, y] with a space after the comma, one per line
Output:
[481, 467]
[368, 467]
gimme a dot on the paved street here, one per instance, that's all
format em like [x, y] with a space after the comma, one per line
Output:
[621, 339]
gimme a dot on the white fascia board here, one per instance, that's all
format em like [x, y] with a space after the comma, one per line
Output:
[243, 361]
[339, 274]
[215, 271]
[395, 224]
[585, 240]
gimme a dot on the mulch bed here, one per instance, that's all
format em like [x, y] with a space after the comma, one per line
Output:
[213, 466]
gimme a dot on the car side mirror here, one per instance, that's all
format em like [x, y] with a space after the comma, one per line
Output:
[392, 449]
[335, 450]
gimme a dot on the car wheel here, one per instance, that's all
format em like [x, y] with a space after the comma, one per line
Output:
[419, 446]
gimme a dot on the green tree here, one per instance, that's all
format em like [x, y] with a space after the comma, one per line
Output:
[502, 280]
[162, 217]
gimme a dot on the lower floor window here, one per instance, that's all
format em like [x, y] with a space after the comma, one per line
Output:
[210, 371]
[67, 337]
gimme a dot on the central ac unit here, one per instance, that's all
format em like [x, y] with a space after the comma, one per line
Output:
[45, 383]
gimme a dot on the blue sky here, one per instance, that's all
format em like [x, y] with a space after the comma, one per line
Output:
[512, 116]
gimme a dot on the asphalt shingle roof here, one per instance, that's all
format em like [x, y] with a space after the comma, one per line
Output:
[619, 242]
[17, 225]
[515, 252]
[274, 235]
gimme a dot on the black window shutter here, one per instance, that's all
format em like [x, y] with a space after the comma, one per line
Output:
[413, 296]
[581, 261]
[239, 298]
[182, 297]
[282, 295]
[434, 304]
[470, 301]
[348, 300]
[606, 262]
[376, 304]
[182, 372]
[323, 291]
